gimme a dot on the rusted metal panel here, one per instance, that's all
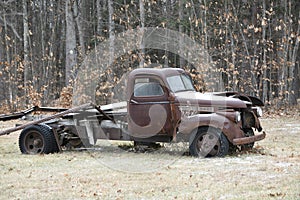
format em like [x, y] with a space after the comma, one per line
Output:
[247, 140]
[57, 115]
[103, 113]
[229, 128]
[17, 115]
[57, 140]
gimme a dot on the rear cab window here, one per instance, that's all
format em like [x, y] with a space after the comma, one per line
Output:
[147, 87]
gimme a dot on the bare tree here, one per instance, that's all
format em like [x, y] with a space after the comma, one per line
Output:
[142, 27]
[180, 29]
[292, 75]
[264, 53]
[77, 9]
[99, 16]
[26, 48]
[71, 54]
[111, 30]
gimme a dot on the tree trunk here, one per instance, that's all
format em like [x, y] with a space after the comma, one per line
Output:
[284, 71]
[40, 82]
[142, 44]
[111, 31]
[233, 57]
[205, 26]
[77, 8]
[166, 54]
[26, 49]
[247, 57]
[264, 52]
[292, 75]
[8, 62]
[99, 17]
[71, 55]
[180, 13]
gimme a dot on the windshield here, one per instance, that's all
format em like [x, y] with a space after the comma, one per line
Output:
[180, 83]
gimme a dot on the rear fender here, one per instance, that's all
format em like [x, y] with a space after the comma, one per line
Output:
[231, 129]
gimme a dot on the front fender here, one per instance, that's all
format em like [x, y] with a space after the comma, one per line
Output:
[231, 129]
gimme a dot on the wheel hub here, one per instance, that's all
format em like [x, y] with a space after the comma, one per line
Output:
[208, 144]
[34, 142]
[37, 142]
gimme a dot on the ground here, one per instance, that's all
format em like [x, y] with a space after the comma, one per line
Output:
[270, 171]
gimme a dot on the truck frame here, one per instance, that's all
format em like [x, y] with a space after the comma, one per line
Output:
[161, 105]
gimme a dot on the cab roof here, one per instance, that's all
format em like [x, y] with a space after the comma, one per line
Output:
[161, 72]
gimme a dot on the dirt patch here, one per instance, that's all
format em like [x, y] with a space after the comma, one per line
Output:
[270, 171]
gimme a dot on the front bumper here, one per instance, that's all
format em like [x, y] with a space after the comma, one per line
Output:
[247, 140]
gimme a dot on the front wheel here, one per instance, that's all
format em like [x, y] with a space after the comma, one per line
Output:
[209, 142]
[37, 139]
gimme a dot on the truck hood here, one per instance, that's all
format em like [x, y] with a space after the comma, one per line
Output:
[209, 100]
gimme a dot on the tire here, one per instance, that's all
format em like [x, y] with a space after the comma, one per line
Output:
[233, 149]
[37, 139]
[209, 142]
[248, 132]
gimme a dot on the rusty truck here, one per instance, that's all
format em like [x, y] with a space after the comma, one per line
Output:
[161, 106]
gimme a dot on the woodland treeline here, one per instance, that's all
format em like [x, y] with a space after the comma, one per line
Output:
[254, 44]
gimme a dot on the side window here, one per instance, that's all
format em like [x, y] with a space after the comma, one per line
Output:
[144, 87]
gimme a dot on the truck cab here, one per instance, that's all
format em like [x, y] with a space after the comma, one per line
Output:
[164, 106]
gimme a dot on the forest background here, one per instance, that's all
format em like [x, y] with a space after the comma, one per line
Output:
[253, 44]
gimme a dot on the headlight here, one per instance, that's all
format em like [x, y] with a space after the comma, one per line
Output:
[259, 111]
[237, 117]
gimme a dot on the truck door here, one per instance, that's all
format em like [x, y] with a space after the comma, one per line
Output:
[149, 108]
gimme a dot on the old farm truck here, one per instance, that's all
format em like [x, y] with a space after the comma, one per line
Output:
[161, 106]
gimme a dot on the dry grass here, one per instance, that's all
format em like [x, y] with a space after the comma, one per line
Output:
[271, 171]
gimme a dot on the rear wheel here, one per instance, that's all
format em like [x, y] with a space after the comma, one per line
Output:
[209, 142]
[37, 139]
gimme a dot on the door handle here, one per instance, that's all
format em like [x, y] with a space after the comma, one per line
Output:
[133, 101]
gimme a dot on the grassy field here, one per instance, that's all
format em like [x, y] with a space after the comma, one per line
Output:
[270, 171]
